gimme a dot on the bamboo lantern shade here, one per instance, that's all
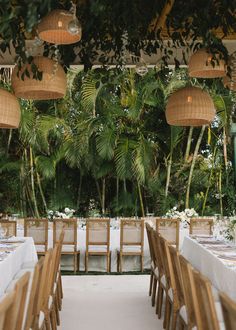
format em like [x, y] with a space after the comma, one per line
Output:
[190, 106]
[53, 28]
[203, 65]
[52, 85]
[9, 110]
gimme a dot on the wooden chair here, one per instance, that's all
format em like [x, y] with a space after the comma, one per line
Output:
[31, 317]
[21, 288]
[169, 229]
[200, 226]
[173, 298]
[38, 229]
[158, 272]
[151, 249]
[69, 246]
[209, 310]
[98, 240]
[9, 227]
[131, 241]
[189, 313]
[229, 311]
[7, 312]
[174, 256]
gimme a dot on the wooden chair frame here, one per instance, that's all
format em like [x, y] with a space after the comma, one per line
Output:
[7, 311]
[205, 304]
[229, 311]
[9, 223]
[107, 253]
[153, 261]
[169, 222]
[27, 222]
[194, 221]
[75, 253]
[122, 253]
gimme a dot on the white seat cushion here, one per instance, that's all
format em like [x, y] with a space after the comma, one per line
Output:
[68, 248]
[219, 312]
[215, 293]
[40, 248]
[97, 248]
[163, 280]
[29, 264]
[132, 248]
[183, 314]
[156, 272]
[171, 294]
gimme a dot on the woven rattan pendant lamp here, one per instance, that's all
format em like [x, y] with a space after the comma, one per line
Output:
[52, 85]
[9, 110]
[203, 65]
[60, 27]
[190, 106]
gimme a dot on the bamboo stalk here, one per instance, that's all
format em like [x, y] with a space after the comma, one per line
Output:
[193, 165]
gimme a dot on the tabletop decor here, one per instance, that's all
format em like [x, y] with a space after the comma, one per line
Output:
[230, 231]
[184, 215]
[67, 214]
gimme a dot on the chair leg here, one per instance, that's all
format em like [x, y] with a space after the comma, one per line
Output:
[160, 302]
[75, 263]
[141, 257]
[78, 261]
[166, 322]
[118, 261]
[108, 262]
[174, 319]
[86, 262]
[154, 291]
[121, 263]
[150, 285]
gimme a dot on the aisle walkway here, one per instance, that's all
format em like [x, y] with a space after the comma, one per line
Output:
[118, 302]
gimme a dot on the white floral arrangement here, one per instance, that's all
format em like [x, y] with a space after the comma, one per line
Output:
[68, 213]
[182, 215]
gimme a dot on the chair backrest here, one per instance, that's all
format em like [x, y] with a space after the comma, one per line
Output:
[7, 312]
[158, 257]
[31, 315]
[164, 257]
[43, 284]
[169, 229]
[69, 226]
[21, 288]
[131, 232]
[38, 229]
[201, 226]
[9, 226]
[149, 230]
[206, 304]
[174, 255]
[229, 311]
[189, 290]
[98, 232]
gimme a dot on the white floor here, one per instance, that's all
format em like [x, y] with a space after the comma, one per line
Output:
[118, 302]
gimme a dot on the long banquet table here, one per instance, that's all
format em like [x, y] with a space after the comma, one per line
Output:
[19, 253]
[214, 260]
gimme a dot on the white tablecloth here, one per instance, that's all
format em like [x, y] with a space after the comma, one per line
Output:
[25, 252]
[130, 263]
[221, 276]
